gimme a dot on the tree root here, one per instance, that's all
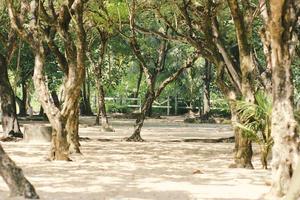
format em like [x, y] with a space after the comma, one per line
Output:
[134, 138]
[107, 129]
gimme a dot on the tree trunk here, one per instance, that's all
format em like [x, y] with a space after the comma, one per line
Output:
[138, 84]
[136, 136]
[14, 178]
[72, 127]
[10, 122]
[59, 145]
[242, 19]
[85, 106]
[86, 96]
[55, 98]
[243, 153]
[264, 152]
[284, 128]
[102, 110]
[71, 62]
[41, 112]
[285, 152]
[22, 106]
[294, 189]
[243, 146]
[22, 102]
[206, 90]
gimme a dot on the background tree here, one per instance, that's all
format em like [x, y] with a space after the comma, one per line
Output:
[64, 121]
[197, 23]
[152, 68]
[8, 40]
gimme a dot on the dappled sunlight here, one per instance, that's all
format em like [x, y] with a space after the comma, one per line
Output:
[156, 169]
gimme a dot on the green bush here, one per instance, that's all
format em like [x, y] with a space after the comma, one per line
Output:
[115, 108]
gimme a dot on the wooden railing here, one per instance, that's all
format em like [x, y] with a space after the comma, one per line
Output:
[161, 103]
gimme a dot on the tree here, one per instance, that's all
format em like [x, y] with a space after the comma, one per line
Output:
[98, 68]
[281, 18]
[14, 178]
[151, 70]
[64, 120]
[10, 122]
[206, 89]
[199, 24]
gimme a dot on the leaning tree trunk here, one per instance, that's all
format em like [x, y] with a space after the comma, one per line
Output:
[14, 178]
[136, 136]
[8, 104]
[138, 84]
[55, 98]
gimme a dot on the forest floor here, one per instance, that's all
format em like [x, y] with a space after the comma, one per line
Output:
[163, 168]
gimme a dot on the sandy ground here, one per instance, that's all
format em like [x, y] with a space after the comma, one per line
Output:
[157, 169]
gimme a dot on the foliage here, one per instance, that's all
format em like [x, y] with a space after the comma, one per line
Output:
[114, 107]
[255, 121]
[255, 118]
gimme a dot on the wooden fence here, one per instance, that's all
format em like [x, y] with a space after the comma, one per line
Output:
[166, 103]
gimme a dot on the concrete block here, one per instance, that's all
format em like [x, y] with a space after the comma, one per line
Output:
[37, 133]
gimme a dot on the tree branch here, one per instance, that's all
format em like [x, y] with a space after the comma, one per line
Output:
[189, 63]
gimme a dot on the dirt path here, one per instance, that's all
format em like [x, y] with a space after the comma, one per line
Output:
[164, 170]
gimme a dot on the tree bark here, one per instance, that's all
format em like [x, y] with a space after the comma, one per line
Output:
[22, 102]
[285, 152]
[97, 67]
[10, 122]
[59, 145]
[264, 152]
[14, 178]
[55, 98]
[294, 189]
[206, 90]
[73, 126]
[136, 136]
[102, 109]
[243, 146]
[242, 20]
[138, 84]
[22, 106]
[85, 106]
